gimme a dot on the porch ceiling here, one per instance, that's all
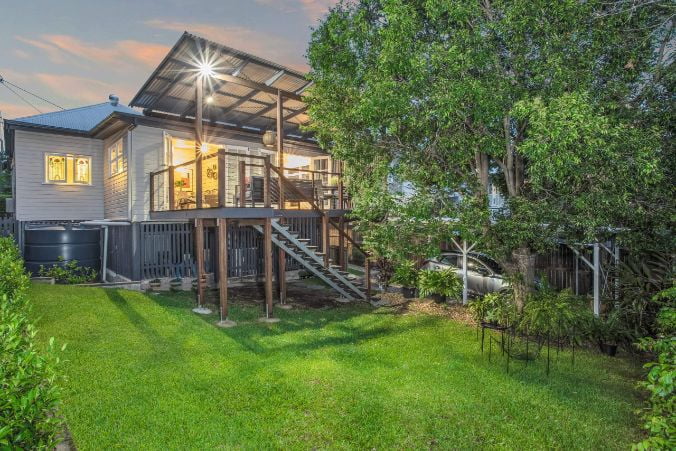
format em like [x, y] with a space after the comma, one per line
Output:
[242, 88]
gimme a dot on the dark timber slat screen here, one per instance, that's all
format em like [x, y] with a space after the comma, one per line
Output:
[167, 250]
[7, 225]
[120, 253]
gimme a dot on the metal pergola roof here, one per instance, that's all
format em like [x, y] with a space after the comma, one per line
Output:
[240, 90]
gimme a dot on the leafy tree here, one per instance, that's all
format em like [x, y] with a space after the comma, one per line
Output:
[560, 106]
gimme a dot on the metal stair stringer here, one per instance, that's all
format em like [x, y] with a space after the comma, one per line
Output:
[306, 263]
[291, 237]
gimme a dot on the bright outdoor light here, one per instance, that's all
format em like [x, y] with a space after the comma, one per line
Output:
[210, 99]
[204, 148]
[206, 69]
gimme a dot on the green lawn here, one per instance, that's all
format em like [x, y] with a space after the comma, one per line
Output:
[144, 372]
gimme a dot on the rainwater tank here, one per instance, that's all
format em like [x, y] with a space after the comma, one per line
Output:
[43, 245]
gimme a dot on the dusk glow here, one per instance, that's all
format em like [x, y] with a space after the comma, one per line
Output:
[74, 53]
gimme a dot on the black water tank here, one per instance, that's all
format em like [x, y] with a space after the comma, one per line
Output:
[44, 246]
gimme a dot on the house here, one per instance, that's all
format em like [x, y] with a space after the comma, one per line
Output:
[208, 170]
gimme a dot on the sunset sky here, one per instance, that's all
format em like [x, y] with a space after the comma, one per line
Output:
[76, 52]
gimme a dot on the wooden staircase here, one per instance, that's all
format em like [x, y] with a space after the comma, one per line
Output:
[313, 261]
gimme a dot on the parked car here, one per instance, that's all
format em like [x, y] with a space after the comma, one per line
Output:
[484, 275]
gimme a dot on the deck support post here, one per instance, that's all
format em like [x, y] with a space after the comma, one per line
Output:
[267, 248]
[222, 225]
[367, 276]
[199, 129]
[341, 243]
[279, 123]
[222, 182]
[199, 257]
[325, 238]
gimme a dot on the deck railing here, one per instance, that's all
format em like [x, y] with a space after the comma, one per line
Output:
[228, 179]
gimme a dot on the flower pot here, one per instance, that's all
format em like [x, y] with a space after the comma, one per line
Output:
[155, 286]
[175, 284]
[408, 292]
[438, 298]
[608, 348]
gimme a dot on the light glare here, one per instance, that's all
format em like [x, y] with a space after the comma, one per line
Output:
[206, 70]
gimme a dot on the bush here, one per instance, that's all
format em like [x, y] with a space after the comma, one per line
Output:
[660, 415]
[497, 308]
[556, 314]
[444, 282]
[69, 272]
[29, 392]
[406, 274]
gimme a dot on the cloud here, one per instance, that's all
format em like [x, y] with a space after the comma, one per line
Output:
[82, 90]
[312, 9]
[60, 47]
[265, 45]
[13, 110]
[21, 54]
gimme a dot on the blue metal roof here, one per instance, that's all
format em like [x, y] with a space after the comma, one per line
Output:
[82, 119]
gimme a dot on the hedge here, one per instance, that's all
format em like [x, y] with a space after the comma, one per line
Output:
[29, 381]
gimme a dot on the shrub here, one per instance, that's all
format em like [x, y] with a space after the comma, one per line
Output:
[444, 282]
[406, 274]
[497, 308]
[69, 272]
[660, 415]
[556, 314]
[29, 392]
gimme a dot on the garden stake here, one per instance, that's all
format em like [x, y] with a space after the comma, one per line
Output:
[483, 329]
[508, 346]
[547, 354]
[490, 346]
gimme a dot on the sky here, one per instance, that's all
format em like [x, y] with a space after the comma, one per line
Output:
[77, 52]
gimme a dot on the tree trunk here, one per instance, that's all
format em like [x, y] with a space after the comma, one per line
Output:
[521, 268]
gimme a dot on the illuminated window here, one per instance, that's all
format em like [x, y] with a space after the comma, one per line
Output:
[56, 169]
[116, 158]
[82, 170]
[68, 169]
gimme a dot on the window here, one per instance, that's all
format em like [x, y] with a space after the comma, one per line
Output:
[116, 158]
[56, 168]
[82, 171]
[68, 169]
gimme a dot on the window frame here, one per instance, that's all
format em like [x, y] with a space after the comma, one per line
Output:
[119, 159]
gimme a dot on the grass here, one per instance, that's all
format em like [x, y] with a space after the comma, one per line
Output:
[144, 372]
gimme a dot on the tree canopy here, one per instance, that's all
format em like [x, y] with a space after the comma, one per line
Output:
[561, 107]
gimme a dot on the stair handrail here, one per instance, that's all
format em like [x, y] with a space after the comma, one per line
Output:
[286, 181]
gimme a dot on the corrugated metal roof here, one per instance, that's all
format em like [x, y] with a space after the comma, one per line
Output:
[82, 119]
[249, 104]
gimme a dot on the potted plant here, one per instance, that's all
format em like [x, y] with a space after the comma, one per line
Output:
[439, 285]
[155, 284]
[175, 284]
[406, 275]
[609, 332]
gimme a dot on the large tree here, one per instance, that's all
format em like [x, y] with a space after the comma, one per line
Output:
[559, 105]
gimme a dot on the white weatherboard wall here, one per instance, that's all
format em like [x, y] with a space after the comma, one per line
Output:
[115, 195]
[36, 200]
